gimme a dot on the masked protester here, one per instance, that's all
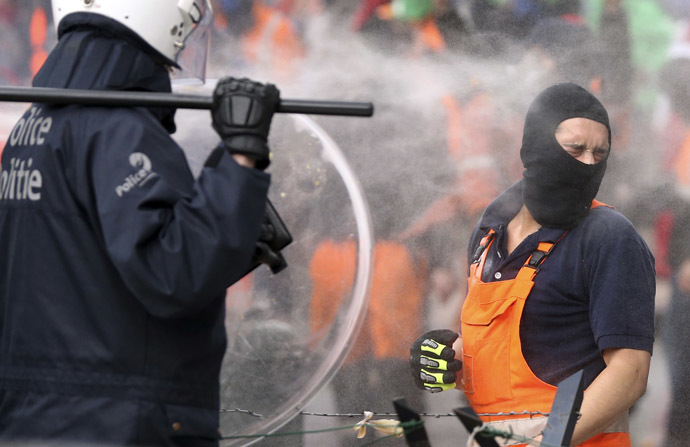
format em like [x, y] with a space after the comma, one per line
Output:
[558, 282]
[115, 260]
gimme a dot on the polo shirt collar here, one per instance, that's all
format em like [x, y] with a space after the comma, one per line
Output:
[505, 207]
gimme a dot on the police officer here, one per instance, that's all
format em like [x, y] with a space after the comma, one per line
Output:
[558, 282]
[115, 260]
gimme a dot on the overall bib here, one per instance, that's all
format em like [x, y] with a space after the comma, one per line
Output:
[496, 376]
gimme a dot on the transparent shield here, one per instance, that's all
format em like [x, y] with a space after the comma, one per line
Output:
[279, 356]
[192, 59]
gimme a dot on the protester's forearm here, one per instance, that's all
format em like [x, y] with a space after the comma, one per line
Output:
[613, 392]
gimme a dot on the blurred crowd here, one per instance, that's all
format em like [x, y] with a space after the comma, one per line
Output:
[451, 80]
[26, 36]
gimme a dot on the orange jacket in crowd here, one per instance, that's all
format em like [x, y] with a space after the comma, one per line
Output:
[395, 311]
[273, 41]
[677, 164]
[427, 35]
[38, 32]
[476, 154]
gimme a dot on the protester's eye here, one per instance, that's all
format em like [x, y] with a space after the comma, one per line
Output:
[600, 153]
[574, 148]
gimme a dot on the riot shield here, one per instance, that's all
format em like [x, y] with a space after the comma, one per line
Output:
[279, 354]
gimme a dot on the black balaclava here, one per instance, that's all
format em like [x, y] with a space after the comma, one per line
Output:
[558, 189]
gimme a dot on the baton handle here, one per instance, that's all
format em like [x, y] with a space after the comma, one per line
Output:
[172, 100]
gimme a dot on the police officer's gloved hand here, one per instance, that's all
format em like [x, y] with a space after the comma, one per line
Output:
[242, 113]
[433, 362]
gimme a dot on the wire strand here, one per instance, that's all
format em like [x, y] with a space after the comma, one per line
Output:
[406, 426]
[352, 415]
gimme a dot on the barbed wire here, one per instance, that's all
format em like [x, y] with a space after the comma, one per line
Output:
[516, 413]
[482, 430]
[352, 415]
[248, 412]
[407, 427]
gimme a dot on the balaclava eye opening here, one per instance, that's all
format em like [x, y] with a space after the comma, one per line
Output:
[558, 189]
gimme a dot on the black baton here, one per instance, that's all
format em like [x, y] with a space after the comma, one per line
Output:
[155, 99]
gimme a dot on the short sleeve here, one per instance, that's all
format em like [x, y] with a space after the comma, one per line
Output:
[622, 290]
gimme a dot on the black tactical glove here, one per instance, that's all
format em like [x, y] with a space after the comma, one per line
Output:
[433, 362]
[242, 113]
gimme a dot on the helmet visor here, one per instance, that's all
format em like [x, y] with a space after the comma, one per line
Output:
[193, 56]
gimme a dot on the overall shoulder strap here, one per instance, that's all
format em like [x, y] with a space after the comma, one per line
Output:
[483, 244]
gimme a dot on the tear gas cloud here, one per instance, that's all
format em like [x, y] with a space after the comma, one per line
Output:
[401, 155]
[404, 147]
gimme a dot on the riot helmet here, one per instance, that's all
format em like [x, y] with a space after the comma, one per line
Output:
[167, 26]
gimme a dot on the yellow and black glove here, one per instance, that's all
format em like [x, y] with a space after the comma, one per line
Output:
[433, 362]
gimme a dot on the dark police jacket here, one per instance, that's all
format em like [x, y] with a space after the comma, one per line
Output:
[114, 260]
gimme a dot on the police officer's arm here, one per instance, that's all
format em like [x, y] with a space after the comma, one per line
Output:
[243, 160]
[613, 392]
[176, 243]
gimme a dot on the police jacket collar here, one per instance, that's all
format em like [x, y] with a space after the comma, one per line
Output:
[97, 53]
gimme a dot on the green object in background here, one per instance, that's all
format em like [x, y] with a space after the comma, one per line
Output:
[411, 10]
[651, 30]
[651, 33]
[592, 12]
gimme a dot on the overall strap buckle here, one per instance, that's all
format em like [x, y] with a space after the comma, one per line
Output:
[543, 250]
[537, 258]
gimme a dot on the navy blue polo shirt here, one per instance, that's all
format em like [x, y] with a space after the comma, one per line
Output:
[594, 291]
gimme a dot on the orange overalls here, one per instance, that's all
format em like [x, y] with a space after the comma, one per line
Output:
[496, 376]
